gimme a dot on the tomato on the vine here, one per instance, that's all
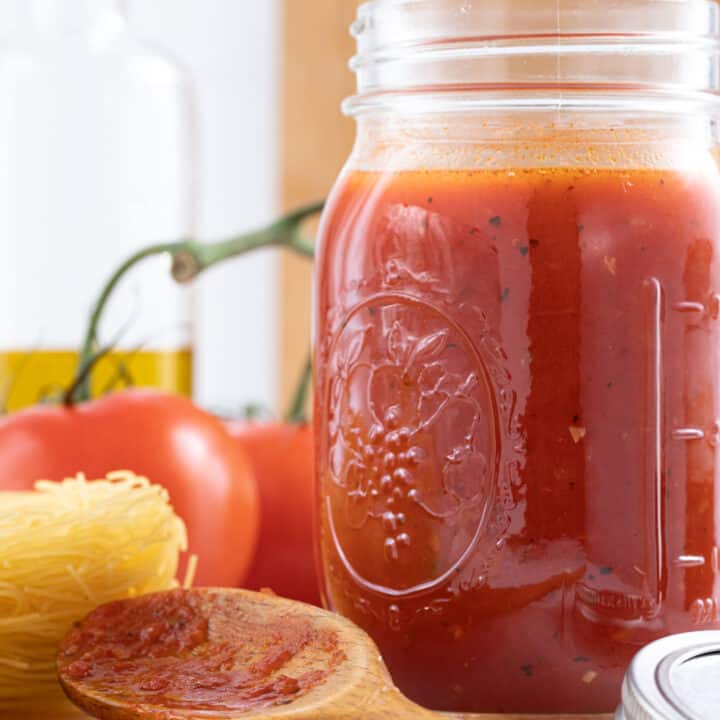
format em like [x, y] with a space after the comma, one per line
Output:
[281, 454]
[164, 437]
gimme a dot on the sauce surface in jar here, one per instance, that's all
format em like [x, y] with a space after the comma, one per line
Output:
[517, 410]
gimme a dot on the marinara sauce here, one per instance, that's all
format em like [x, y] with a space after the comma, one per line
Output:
[517, 346]
[517, 404]
[219, 653]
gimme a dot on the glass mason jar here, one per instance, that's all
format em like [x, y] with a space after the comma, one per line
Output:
[97, 161]
[517, 345]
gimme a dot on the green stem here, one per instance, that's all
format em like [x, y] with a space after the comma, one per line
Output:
[194, 257]
[80, 389]
[69, 397]
[189, 259]
[298, 413]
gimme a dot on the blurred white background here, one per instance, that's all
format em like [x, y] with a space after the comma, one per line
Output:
[231, 50]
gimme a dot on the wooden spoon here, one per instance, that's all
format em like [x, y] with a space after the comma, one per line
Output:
[209, 653]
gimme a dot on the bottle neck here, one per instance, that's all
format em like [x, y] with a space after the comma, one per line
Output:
[67, 15]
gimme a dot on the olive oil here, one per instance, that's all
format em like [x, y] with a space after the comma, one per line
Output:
[29, 377]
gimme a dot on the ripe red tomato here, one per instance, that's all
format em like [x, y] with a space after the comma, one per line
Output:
[281, 455]
[164, 437]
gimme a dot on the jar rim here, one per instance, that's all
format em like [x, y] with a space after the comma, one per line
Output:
[660, 47]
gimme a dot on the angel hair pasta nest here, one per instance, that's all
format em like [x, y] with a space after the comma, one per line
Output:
[66, 548]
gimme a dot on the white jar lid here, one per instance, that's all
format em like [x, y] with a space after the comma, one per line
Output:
[675, 678]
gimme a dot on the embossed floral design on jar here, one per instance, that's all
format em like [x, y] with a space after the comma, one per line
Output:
[411, 443]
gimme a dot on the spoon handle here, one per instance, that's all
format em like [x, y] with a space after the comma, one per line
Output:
[461, 716]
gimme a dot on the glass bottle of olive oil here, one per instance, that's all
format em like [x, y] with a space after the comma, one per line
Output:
[97, 161]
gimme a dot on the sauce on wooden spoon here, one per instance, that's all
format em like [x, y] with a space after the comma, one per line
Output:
[207, 653]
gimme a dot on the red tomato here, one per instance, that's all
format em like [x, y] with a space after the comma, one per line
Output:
[164, 437]
[281, 455]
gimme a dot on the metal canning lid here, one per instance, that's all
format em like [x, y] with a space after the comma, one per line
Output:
[676, 678]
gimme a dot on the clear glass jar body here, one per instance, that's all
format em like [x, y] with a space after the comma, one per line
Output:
[98, 162]
[517, 390]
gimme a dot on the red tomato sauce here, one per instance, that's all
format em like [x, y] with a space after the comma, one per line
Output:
[517, 411]
[189, 650]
